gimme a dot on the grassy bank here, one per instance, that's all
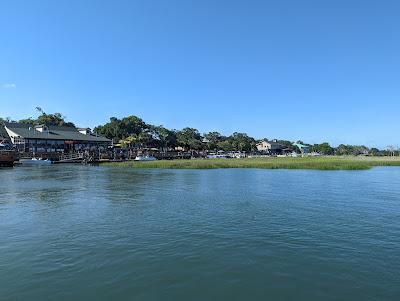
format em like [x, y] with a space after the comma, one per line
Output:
[320, 163]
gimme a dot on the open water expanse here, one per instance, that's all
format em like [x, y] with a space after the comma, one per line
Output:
[71, 232]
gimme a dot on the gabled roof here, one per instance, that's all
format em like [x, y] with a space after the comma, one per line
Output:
[29, 131]
[270, 142]
[3, 133]
[299, 145]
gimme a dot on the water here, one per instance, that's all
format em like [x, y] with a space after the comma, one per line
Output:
[72, 232]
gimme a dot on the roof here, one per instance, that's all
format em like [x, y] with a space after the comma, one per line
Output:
[270, 142]
[299, 145]
[28, 131]
[3, 133]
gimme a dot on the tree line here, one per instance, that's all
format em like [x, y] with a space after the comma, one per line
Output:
[132, 131]
[55, 119]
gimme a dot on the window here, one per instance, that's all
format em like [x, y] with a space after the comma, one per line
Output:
[19, 140]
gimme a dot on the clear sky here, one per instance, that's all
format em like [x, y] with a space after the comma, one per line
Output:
[311, 70]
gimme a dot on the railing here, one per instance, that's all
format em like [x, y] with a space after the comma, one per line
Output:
[71, 157]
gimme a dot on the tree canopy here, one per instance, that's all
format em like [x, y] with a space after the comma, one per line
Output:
[351, 150]
[323, 149]
[55, 119]
[132, 131]
[189, 138]
[119, 129]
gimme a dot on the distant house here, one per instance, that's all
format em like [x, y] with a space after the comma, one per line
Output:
[305, 149]
[271, 147]
[45, 139]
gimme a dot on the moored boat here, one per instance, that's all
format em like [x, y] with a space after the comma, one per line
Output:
[145, 158]
[7, 155]
[35, 161]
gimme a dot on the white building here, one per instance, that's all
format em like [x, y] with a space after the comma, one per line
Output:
[270, 146]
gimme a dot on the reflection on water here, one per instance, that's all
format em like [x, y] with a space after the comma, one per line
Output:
[84, 232]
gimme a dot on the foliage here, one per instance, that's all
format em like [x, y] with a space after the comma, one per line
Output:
[225, 145]
[55, 119]
[132, 131]
[235, 142]
[129, 141]
[163, 137]
[213, 139]
[353, 150]
[242, 142]
[323, 149]
[120, 129]
[189, 138]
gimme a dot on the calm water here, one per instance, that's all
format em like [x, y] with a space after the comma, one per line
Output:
[79, 232]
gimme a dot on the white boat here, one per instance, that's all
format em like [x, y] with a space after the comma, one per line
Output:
[217, 156]
[35, 161]
[145, 158]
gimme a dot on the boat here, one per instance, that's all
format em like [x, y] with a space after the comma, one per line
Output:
[35, 161]
[217, 156]
[145, 158]
[7, 155]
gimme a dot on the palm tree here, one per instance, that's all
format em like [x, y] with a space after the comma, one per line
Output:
[128, 141]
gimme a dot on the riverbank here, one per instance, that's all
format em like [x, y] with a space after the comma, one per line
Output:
[318, 163]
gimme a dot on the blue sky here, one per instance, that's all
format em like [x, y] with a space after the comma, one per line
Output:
[312, 70]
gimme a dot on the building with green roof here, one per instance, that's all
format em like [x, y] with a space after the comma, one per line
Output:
[305, 149]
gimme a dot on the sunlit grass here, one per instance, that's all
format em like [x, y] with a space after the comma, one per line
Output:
[320, 163]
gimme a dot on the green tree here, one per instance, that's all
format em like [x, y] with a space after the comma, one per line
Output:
[242, 142]
[129, 141]
[133, 125]
[225, 145]
[111, 130]
[189, 138]
[351, 150]
[163, 137]
[144, 138]
[29, 120]
[118, 129]
[55, 119]
[323, 148]
[375, 152]
[213, 138]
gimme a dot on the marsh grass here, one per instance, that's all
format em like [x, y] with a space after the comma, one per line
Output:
[319, 163]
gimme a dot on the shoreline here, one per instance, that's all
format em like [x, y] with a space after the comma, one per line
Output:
[313, 163]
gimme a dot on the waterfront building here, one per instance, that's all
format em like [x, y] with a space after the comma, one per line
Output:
[305, 149]
[49, 139]
[271, 147]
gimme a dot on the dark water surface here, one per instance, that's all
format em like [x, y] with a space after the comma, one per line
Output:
[97, 233]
